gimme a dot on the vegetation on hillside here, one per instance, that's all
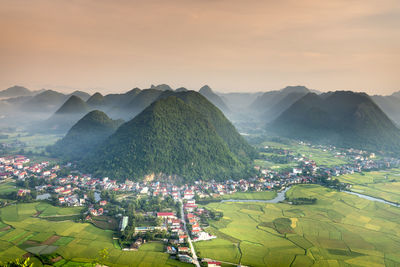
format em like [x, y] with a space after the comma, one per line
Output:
[85, 136]
[172, 137]
[342, 118]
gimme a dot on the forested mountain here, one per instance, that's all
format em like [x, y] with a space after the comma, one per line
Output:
[142, 100]
[82, 95]
[161, 87]
[181, 89]
[67, 115]
[182, 134]
[120, 100]
[73, 105]
[208, 93]
[343, 118]
[85, 135]
[96, 100]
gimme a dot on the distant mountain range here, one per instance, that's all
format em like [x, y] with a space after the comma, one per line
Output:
[182, 135]
[15, 91]
[343, 118]
[307, 110]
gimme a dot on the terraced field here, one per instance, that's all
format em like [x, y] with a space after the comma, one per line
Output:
[78, 243]
[381, 184]
[340, 230]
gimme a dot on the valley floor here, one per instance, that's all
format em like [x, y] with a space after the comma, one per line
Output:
[339, 230]
[22, 231]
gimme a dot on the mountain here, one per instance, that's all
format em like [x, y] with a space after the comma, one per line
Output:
[173, 136]
[15, 91]
[396, 94]
[161, 87]
[85, 135]
[390, 105]
[213, 98]
[273, 111]
[268, 99]
[181, 89]
[96, 100]
[120, 100]
[83, 95]
[73, 105]
[342, 118]
[142, 100]
[67, 115]
[239, 100]
[46, 101]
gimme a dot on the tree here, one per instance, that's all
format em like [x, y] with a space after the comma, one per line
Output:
[17, 263]
[103, 256]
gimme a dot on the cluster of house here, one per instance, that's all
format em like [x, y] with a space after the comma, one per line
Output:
[192, 216]
[359, 160]
[20, 167]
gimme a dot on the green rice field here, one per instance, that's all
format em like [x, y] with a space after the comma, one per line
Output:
[381, 184]
[262, 195]
[339, 230]
[78, 243]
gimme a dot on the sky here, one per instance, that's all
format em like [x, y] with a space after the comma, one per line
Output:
[231, 45]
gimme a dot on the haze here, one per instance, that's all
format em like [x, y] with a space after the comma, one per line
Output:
[232, 45]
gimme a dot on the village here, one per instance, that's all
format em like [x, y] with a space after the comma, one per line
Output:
[184, 222]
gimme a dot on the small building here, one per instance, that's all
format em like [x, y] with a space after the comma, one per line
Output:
[165, 215]
[124, 223]
[183, 249]
[171, 250]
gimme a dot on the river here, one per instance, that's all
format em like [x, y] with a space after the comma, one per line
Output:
[373, 198]
[282, 195]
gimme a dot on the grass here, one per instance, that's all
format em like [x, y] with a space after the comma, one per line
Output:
[341, 229]
[79, 243]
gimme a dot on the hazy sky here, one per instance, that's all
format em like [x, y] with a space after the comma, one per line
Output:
[232, 45]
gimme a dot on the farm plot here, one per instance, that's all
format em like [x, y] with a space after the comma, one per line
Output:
[341, 229]
[78, 243]
[264, 195]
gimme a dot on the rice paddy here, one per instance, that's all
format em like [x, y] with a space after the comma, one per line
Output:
[339, 230]
[78, 243]
[381, 184]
